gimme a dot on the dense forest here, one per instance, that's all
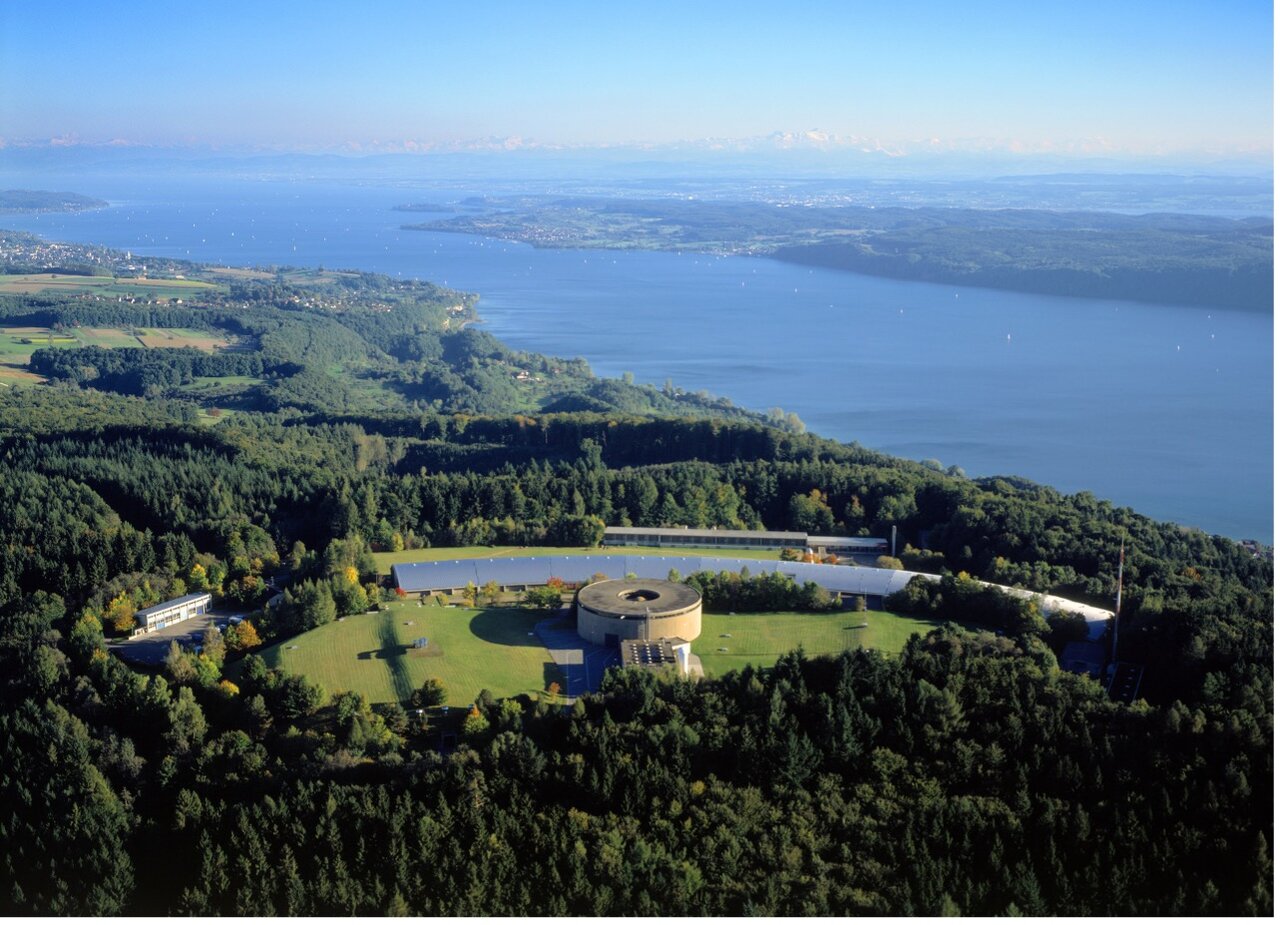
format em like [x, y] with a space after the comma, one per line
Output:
[969, 774]
[1186, 259]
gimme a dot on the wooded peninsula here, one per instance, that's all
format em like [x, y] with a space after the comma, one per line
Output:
[26, 200]
[1164, 258]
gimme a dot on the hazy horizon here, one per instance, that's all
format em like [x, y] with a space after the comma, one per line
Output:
[1141, 83]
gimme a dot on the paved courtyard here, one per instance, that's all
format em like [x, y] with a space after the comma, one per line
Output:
[583, 663]
[151, 648]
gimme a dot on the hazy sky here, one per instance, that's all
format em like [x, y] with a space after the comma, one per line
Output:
[1141, 76]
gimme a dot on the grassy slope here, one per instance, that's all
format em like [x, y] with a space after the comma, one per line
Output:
[473, 649]
[469, 650]
[759, 638]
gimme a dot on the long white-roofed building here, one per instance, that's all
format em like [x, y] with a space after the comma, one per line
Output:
[518, 573]
[715, 538]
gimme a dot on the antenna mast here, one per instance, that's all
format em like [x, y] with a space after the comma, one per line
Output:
[1115, 624]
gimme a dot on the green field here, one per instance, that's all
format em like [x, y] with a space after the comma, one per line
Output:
[759, 638]
[469, 650]
[444, 553]
[130, 287]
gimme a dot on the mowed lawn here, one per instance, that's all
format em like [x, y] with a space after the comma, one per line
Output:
[469, 650]
[759, 638]
[445, 553]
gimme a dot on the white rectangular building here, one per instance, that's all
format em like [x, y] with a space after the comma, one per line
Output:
[158, 616]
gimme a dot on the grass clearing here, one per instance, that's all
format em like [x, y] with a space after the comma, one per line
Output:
[106, 337]
[469, 650]
[239, 273]
[759, 638]
[447, 553]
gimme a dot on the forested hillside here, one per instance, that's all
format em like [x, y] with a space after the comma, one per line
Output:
[968, 774]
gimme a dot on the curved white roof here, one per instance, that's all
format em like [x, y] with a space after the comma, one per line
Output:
[415, 577]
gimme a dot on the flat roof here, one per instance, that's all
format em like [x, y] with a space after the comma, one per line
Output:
[847, 541]
[176, 602]
[638, 597]
[682, 532]
[648, 653]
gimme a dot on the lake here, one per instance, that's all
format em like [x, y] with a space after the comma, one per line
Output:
[1167, 409]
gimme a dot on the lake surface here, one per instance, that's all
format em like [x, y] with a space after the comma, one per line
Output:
[1167, 409]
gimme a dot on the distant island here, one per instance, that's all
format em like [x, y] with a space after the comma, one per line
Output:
[36, 200]
[424, 207]
[1167, 258]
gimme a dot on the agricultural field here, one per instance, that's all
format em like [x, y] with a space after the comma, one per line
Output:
[731, 642]
[468, 649]
[182, 337]
[130, 287]
[446, 553]
[18, 343]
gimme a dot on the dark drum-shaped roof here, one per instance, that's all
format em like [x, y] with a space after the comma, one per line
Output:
[636, 597]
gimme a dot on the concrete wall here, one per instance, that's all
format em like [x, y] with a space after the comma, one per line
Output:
[594, 627]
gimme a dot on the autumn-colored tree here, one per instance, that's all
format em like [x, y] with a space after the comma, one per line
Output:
[491, 591]
[470, 593]
[554, 582]
[120, 613]
[243, 637]
[350, 574]
[199, 577]
[475, 724]
[401, 593]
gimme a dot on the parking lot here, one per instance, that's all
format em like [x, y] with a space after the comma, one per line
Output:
[151, 648]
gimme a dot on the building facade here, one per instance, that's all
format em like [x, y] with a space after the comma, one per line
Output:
[610, 612]
[168, 613]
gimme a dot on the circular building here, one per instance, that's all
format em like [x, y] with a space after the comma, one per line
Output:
[646, 608]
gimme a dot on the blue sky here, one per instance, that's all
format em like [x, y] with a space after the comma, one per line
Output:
[1139, 76]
